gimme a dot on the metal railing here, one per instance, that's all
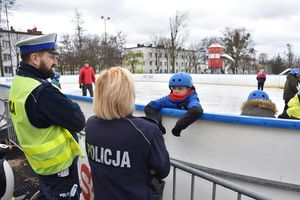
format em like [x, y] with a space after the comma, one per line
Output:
[215, 180]
[9, 125]
[3, 115]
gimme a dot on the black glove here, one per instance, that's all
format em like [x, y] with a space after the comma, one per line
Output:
[162, 128]
[176, 131]
[80, 86]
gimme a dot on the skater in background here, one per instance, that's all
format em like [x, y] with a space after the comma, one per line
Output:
[290, 89]
[182, 96]
[261, 78]
[86, 79]
[259, 104]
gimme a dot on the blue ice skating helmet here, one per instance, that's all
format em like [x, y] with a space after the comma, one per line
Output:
[294, 71]
[258, 94]
[56, 75]
[181, 79]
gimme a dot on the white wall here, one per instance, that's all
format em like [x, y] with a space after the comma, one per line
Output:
[220, 79]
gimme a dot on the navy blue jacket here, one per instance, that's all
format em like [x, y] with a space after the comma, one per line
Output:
[47, 106]
[121, 153]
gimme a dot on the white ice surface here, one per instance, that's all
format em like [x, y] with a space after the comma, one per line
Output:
[226, 99]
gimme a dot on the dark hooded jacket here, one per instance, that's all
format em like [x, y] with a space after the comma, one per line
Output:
[290, 87]
[259, 108]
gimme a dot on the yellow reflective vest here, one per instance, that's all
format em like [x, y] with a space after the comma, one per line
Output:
[48, 150]
[294, 107]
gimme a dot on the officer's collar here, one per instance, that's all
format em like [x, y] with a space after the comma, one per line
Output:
[28, 70]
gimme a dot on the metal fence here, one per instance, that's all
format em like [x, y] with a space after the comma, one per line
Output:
[176, 166]
[10, 128]
[213, 179]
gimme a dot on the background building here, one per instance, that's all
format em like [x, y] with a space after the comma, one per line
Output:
[9, 54]
[148, 59]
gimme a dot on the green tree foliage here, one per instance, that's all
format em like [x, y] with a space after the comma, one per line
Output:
[277, 65]
[239, 45]
[133, 59]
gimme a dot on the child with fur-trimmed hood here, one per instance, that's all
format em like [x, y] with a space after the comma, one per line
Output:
[258, 104]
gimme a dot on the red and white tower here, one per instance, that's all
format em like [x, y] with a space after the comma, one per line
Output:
[215, 50]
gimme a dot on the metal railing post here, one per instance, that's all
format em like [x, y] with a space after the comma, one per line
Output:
[174, 182]
[192, 187]
[214, 191]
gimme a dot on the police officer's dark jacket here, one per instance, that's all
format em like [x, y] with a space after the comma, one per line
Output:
[45, 105]
[121, 153]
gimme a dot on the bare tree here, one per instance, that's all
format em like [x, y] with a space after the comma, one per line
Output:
[80, 47]
[178, 35]
[194, 58]
[158, 42]
[120, 45]
[92, 51]
[297, 62]
[263, 58]
[68, 61]
[78, 21]
[5, 6]
[290, 56]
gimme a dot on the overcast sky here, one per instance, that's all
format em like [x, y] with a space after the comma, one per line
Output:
[272, 23]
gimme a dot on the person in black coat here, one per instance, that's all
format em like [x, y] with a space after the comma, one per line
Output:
[290, 90]
[125, 152]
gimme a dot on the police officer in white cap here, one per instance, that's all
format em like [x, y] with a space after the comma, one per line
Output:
[45, 120]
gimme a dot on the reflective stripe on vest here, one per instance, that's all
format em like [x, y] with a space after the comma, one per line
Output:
[48, 150]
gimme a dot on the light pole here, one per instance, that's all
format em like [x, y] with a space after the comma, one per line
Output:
[9, 39]
[105, 45]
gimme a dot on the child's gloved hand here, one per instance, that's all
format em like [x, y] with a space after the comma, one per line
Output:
[176, 131]
[80, 86]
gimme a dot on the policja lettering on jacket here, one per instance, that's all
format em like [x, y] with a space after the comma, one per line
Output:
[116, 158]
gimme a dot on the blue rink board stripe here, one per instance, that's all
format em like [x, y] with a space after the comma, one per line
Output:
[236, 119]
[231, 119]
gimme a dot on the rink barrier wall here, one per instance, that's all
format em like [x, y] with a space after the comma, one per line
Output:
[231, 119]
[273, 81]
[250, 147]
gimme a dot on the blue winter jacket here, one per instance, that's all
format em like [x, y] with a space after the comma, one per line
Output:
[190, 101]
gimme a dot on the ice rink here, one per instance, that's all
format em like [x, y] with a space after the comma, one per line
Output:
[226, 99]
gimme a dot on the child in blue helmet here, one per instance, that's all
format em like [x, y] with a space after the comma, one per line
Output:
[259, 104]
[182, 96]
[55, 79]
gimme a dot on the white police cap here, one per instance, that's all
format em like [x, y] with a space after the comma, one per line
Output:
[39, 43]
